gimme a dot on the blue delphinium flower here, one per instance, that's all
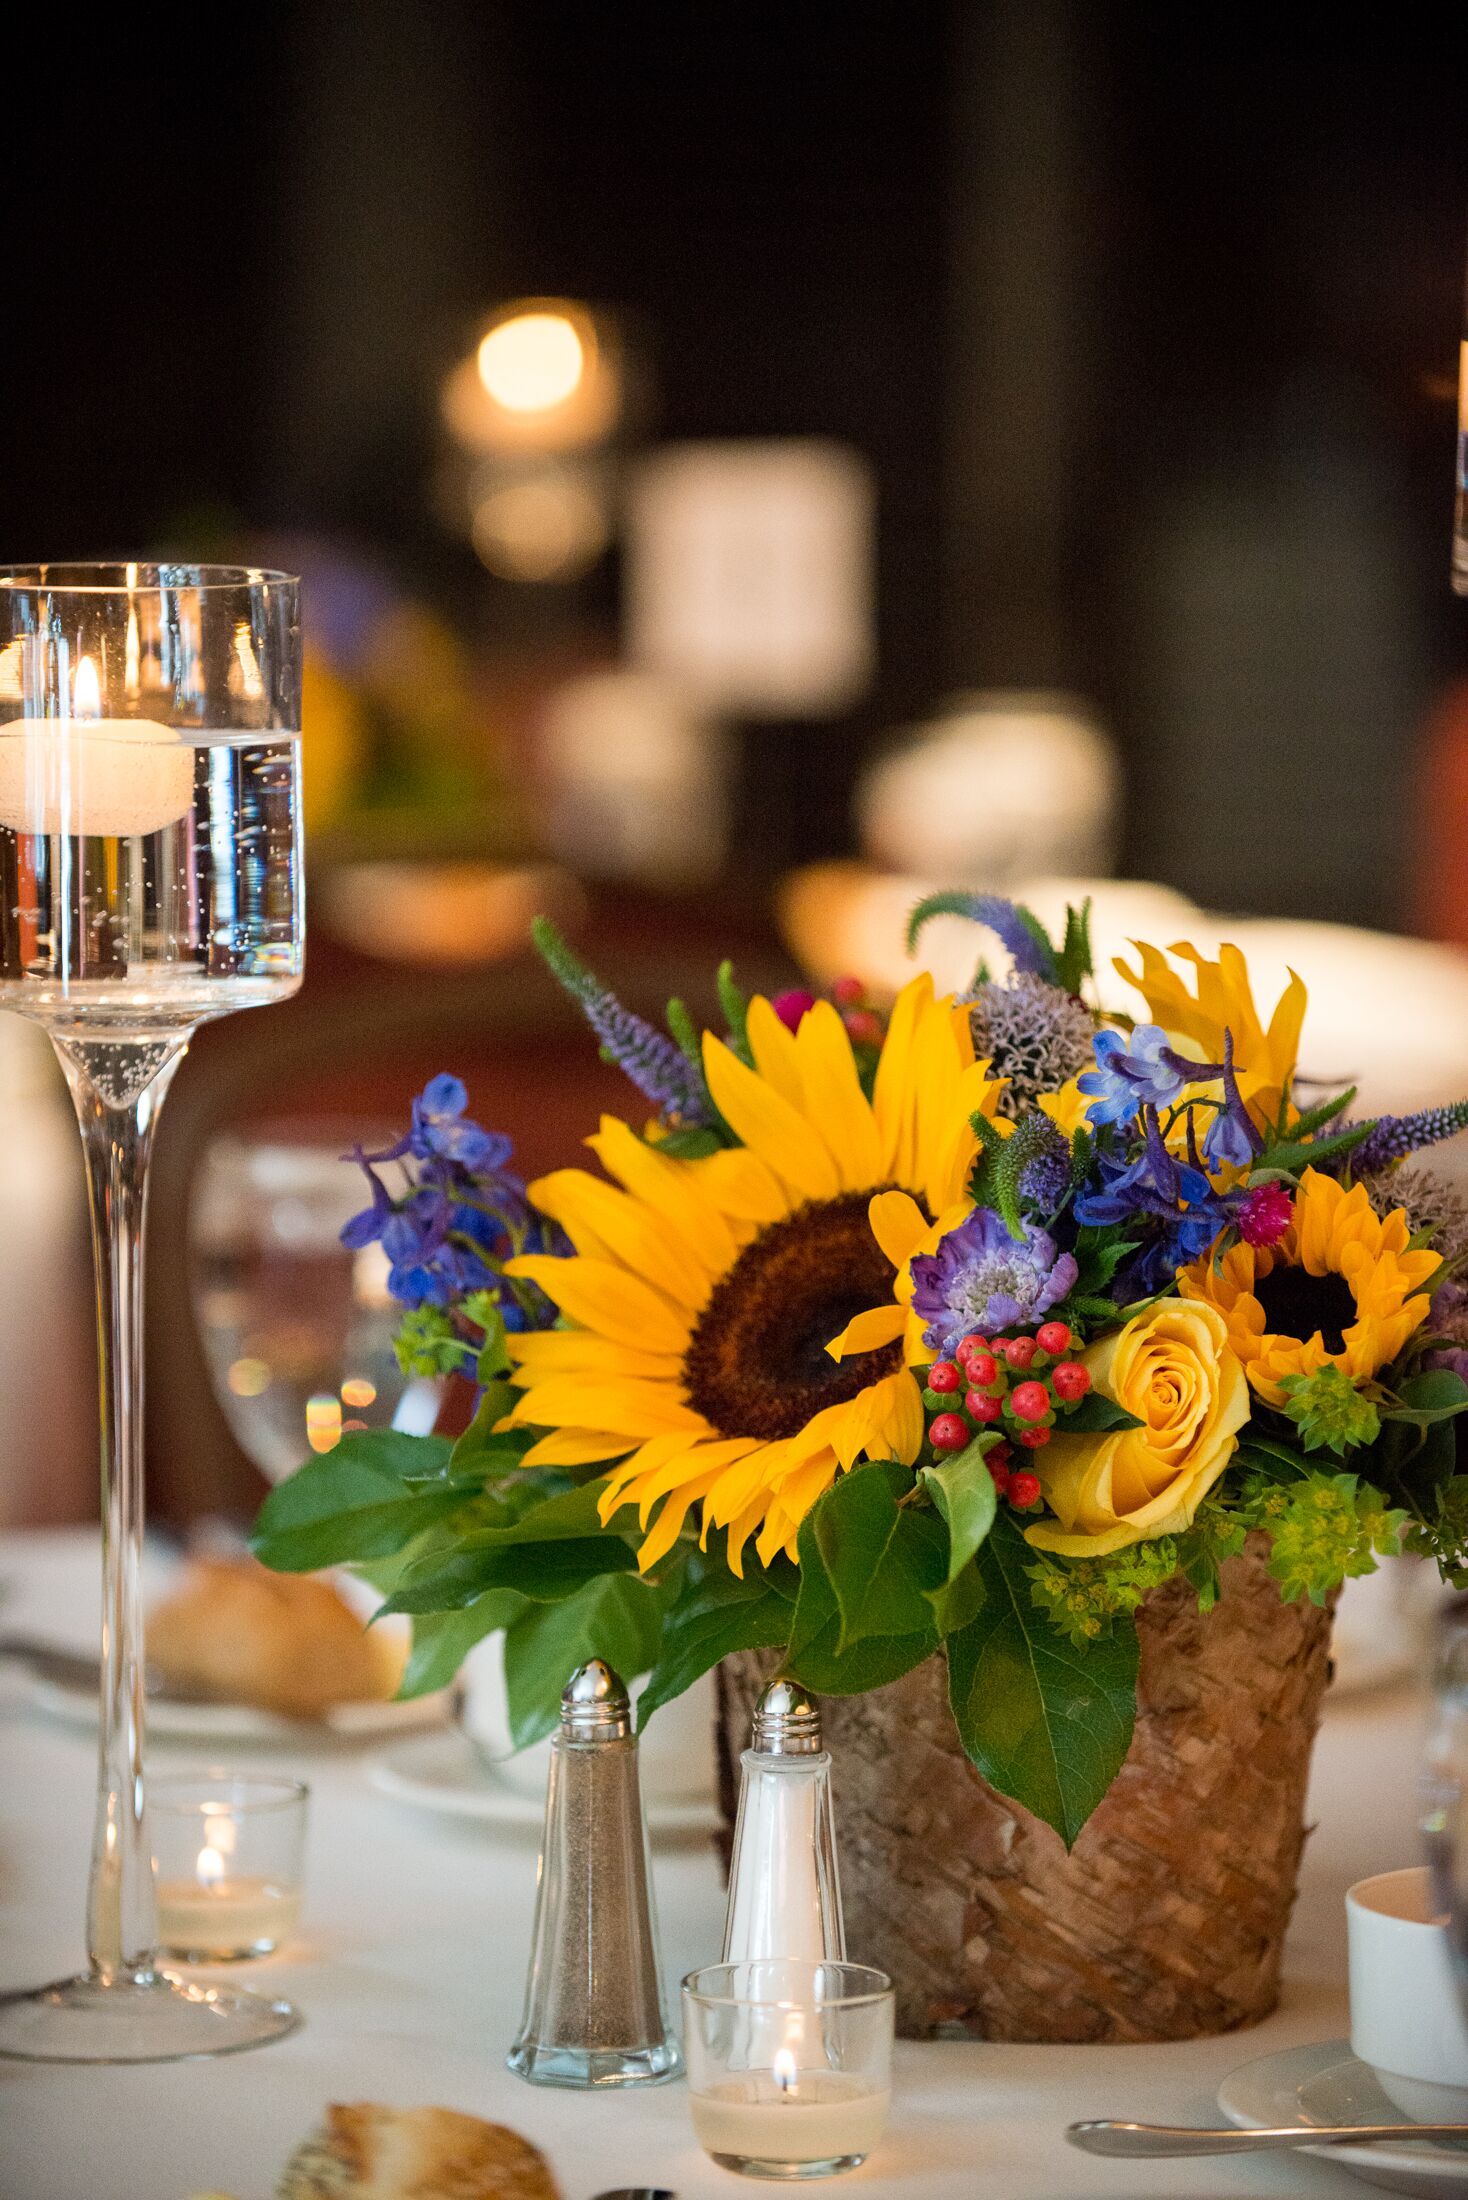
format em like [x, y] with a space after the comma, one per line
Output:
[460, 1217]
[1132, 1072]
[1171, 1205]
[981, 1278]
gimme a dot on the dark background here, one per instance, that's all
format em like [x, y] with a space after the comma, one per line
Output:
[1148, 326]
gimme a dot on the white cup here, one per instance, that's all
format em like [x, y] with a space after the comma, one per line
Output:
[1406, 2018]
[675, 1757]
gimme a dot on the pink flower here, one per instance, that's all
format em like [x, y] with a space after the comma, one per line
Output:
[1266, 1215]
[791, 1006]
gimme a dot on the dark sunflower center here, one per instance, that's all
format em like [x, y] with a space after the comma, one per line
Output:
[758, 1364]
[1296, 1304]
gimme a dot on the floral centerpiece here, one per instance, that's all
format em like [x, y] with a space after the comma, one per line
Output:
[1023, 1378]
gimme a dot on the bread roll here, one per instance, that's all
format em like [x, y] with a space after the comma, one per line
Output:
[368, 2152]
[236, 1633]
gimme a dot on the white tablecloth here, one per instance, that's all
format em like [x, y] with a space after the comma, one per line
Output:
[411, 1963]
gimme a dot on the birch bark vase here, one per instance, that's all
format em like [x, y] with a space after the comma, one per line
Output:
[1167, 1919]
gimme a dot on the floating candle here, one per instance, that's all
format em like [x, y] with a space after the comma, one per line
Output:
[89, 775]
[213, 1918]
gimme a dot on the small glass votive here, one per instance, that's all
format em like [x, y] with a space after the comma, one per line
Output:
[227, 1850]
[789, 2064]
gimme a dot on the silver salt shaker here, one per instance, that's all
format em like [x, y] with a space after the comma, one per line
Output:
[594, 2012]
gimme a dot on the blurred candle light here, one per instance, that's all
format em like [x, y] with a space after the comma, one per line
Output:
[532, 362]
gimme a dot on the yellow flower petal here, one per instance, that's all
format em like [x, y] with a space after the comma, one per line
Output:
[540, 1352]
[652, 1247]
[868, 1332]
[575, 1447]
[673, 1190]
[636, 1408]
[771, 1127]
[898, 1225]
[607, 1299]
[772, 1043]
[834, 1099]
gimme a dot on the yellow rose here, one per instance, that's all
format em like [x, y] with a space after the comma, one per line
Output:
[1180, 1377]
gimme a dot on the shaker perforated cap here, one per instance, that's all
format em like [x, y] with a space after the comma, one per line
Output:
[786, 1722]
[595, 1706]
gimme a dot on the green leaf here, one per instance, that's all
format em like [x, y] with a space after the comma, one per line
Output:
[364, 1499]
[880, 1560]
[1047, 1724]
[814, 1657]
[690, 1144]
[618, 1618]
[442, 1640]
[736, 1009]
[1074, 963]
[1093, 1415]
[716, 1612]
[1276, 1462]
[685, 1033]
[1294, 1154]
[964, 1493]
[1436, 1394]
[1315, 1119]
[548, 1553]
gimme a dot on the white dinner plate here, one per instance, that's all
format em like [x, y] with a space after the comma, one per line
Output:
[242, 1722]
[1325, 2084]
[441, 1772]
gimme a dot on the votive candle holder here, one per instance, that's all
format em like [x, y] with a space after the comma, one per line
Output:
[227, 1859]
[789, 2064]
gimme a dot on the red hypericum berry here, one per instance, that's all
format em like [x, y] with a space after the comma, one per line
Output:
[983, 1369]
[1019, 1351]
[1032, 1438]
[943, 1376]
[999, 1475]
[999, 1455]
[982, 1406]
[973, 1342]
[1023, 1491]
[1029, 1401]
[848, 992]
[1071, 1381]
[1054, 1338]
[862, 1026]
[1266, 1215]
[950, 1432]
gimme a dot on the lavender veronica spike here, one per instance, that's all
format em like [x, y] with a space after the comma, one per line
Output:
[660, 1070]
[1393, 1137]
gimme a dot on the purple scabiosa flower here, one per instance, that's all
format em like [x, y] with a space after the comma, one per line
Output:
[981, 1278]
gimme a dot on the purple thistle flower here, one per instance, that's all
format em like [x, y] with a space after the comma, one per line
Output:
[1393, 1137]
[982, 1278]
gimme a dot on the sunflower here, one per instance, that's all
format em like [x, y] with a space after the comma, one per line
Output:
[1341, 1289]
[1264, 1055]
[703, 1293]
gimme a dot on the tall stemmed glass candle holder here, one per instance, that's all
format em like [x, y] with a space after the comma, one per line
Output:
[150, 879]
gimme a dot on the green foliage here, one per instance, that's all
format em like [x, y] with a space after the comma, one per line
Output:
[1440, 1531]
[365, 1499]
[1330, 1413]
[716, 1612]
[1433, 1394]
[1045, 1723]
[852, 1635]
[690, 1143]
[1032, 1136]
[1093, 1415]
[1216, 1534]
[442, 1640]
[618, 1617]
[547, 1553]
[1073, 965]
[1315, 1119]
[1323, 1530]
[1287, 1157]
[963, 1491]
[735, 1005]
[1084, 1597]
[428, 1343]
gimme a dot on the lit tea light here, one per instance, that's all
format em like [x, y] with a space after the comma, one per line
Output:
[110, 778]
[790, 2115]
[235, 1889]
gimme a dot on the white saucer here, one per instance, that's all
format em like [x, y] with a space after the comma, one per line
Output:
[169, 1720]
[1325, 2084]
[441, 1772]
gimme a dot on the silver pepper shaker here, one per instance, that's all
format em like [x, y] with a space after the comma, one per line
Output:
[784, 1888]
[594, 2012]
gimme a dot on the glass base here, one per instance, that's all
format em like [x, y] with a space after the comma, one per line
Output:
[151, 2017]
[752, 2165]
[584, 2068]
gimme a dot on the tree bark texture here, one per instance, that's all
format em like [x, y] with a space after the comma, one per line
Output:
[1167, 1919]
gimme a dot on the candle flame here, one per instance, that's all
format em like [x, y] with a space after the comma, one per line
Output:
[86, 692]
[785, 2072]
[132, 676]
[209, 1869]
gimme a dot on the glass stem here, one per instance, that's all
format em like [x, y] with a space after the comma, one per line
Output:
[118, 1088]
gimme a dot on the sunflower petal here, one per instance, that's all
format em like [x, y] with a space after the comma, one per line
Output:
[607, 1299]
[541, 1352]
[869, 1332]
[672, 1189]
[639, 1408]
[893, 1099]
[833, 1097]
[771, 1127]
[772, 1043]
[656, 1250]
[575, 1447]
